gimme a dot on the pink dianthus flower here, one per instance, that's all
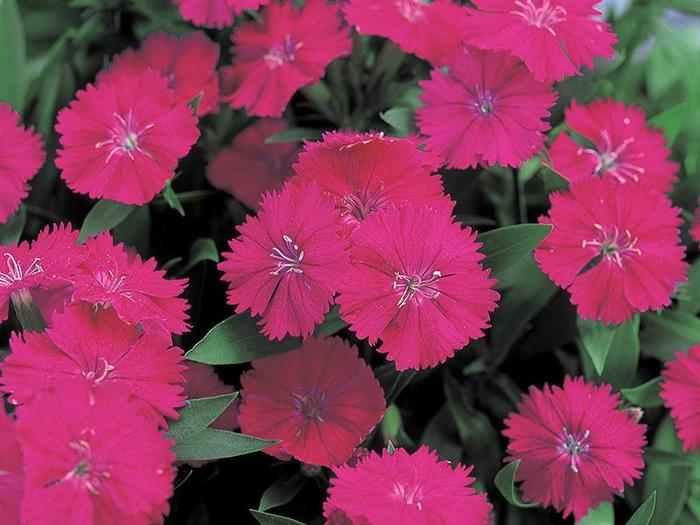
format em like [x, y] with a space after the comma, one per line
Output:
[680, 389]
[11, 471]
[215, 13]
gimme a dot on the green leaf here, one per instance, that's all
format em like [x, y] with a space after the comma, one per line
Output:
[198, 414]
[645, 395]
[201, 250]
[13, 56]
[689, 293]
[506, 246]
[293, 135]
[645, 512]
[281, 492]
[401, 119]
[653, 456]
[265, 518]
[392, 381]
[603, 514]
[171, 198]
[238, 340]
[597, 338]
[505, 483]
[623, 358]
[391, 423]
[671, 122]
[332, 323]
[195, 102]
[210, 444]
[104, 216]
[11, 231]
[669, 332]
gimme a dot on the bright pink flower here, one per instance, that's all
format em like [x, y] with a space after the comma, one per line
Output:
[138, 293]
[416, 282]
[576, 447]
[250, 167]
[39, 269]
[214, 13]
[319, 401]
[680, 389]
[486, 110]
[11, 471]
[367, 172]
[123, 139]
[555, 38]
[405, 489]
[613, 255]
[289, 49]
[432, 31]
[287, 261]
[21, 157]
[187, 62]
[202, 381]
[695, 226]
[90, 457]
[94, 344]
[625, 148]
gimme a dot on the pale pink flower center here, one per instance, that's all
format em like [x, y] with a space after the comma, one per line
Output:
[99, 372]
[125, 137]
[613, 244]
[16, 273]
[614, 160]
[282, 53]
[85, 472]
[546, 16]
[482, 101]
[310, 405]
[288, 256]
[573, 446]
[356, 207]
[409, 494]
[416, 286]
[411, 10]
[109, 280]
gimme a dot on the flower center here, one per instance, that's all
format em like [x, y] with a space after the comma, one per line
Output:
[408, 494]
[615, 160]
[84, 471]
[416, 286]
[125, 136]
[411, 10]
[356, 207]
[483, 101]
[282, 53]
[545, 16]
[99, 372]
[310, 405]
[16, 273]
[110, 281]
[289, 257]
[613, 244]
[573, 446]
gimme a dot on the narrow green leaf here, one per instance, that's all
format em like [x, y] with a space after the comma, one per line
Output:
[506, 246]
[667, 333]
[238, 340]
[505, 483]
[332, 324]
[645, 395]
[645, 512]
[11, 231]
[198, 414]
[603, 514]
[265, 518]
[201, 250]
[391, 423]
[293, 135]
[623, 358]
[401, 119]
[392, 381]
[281, 492]
[597, 338]
[28, 314]
[210, 444]
[671, 122]
[390, 448]
[195, 102]
[172, 199]
[13, 55]
[104, 216]
[663, 457]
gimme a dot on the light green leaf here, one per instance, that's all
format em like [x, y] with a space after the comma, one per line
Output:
[505, 483]
[238, 340]
[293, 135]
[13, 56]
[104, 216]
[210, 444]
[645, 395]
[506, 246]
[198, 414]
[201, 250]
[669, 332]
[265, 518]
[597, 338]
[671, 122]
[172, 199]
[332, 324]
[603, 514]
[401, 119]
[391, 423]
[653, 456]
[11, 231]
[281, 492]
[623, 358]
[645, 512]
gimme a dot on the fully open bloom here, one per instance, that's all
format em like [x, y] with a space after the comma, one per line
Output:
[680, 389]
[214, 13]
[486, 109]
[555, 38]
[432, 31]
[289, 49]
[123, 139]
[95, 345]
[38, 270]
[21, 157]
[138, 293]
[625, 148]
[365, 173]
[405, 489]
[613, 255]
[202, 381]
[90, 457]
[11, 471]
[319, 401]
[187, 62]
[250, 167]
[576, 447]
[287, 261]
[416, 282]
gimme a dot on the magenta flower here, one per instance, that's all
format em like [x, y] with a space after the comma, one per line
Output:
[287, 261]
[555, 38]
[487, 109]
[215, 13]
[625, 147]
[90, 457]
[21, 157]
[319, 402]
[432, 31]
[613, 256]
[289, 49]
[680, 389]
[138, 293]
[575, 445]
[187, 62]
[405, 489]
[94, 344]
[416, 282]
[365, 173]
[695, 226]
[123, 139]
[250, 167]
[11, 471]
